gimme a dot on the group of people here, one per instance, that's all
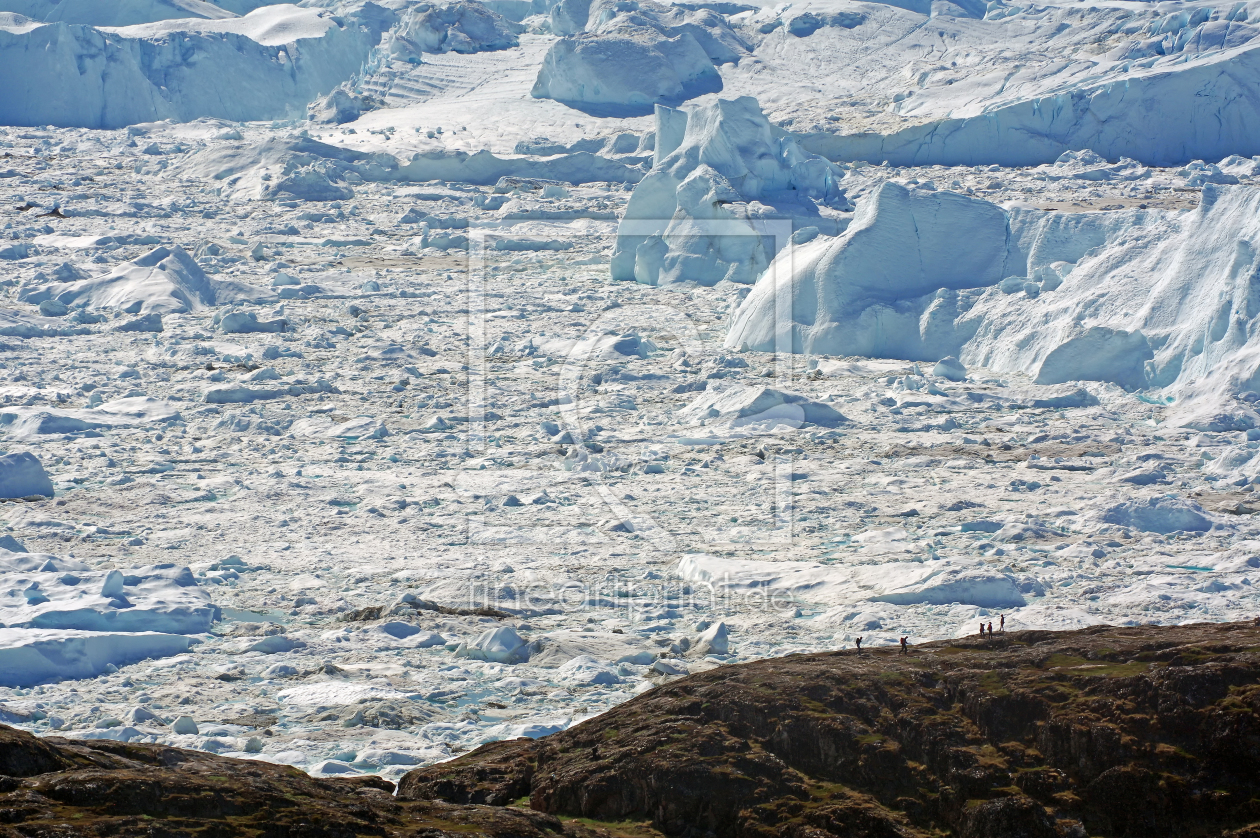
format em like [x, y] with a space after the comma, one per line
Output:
[905, 645]
[984, 630]
[1001, 626]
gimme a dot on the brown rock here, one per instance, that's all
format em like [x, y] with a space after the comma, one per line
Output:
[1102, 732]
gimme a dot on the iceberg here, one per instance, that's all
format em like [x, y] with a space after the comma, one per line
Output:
[278, 58]
[1138, 298]
[706, 210]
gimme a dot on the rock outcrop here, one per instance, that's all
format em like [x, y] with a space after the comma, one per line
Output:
[1101, 732]
[58, 787]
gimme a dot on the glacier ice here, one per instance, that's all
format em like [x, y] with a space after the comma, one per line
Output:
[625, 72]
[463, 26]
[22, 475]
[720, 173]
[164, 280]
[621, 58]
[117, 13]
[61, 620]
[1137, 298]
[279, 58]
[37, 656]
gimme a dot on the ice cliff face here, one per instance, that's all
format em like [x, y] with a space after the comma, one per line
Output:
[278, 59]
[723, 164]
[1174, 86]
[115, 13]
[1138, 298]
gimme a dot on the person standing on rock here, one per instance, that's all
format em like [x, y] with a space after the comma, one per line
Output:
[982, 628]
[990, 629]
[905, 648]
[1002, 622]
[858, 643]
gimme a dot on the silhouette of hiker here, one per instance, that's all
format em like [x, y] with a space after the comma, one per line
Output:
[990, 629]
[982, 629]
[859, 644]
[904, 648]
[1001, 622]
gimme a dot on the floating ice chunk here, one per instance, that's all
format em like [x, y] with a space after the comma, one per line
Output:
[238, 394]
[715, 640]
[21, 476]
[1074, 397]
[1099, 353]
[585, 671]
[20, 324]
[274, 644]
[741, 406]
[337, 694]
[970, 586]
[36, 656]
[463, 26]
[134, 411]
[308, 183]
[246, 322]
[142, 715]
[185, 726]
[501, 645]
[337, 108]
[161, 281]
[165, 599]
[151, 322]
[1143, 477]
[692, 218]
[950, 368]
[400, 629]
[1159, 515]
[113, 585]
[364, 427]
[669, 667]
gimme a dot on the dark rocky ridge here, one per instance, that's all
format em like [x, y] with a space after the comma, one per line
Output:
[51, 788]
[1148, 731]
[1103, 732]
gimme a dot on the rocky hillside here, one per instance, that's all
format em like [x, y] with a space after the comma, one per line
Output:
[1103, 732]
[55, 787]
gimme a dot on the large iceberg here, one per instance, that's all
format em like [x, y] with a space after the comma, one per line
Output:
[116, 12]
[278, 59]
[621, 58]
[464, 26]
[62, 620]
[721, 174]
[1140, 298]
[1179, 85]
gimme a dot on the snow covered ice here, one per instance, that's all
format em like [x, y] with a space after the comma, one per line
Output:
[382, 379]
